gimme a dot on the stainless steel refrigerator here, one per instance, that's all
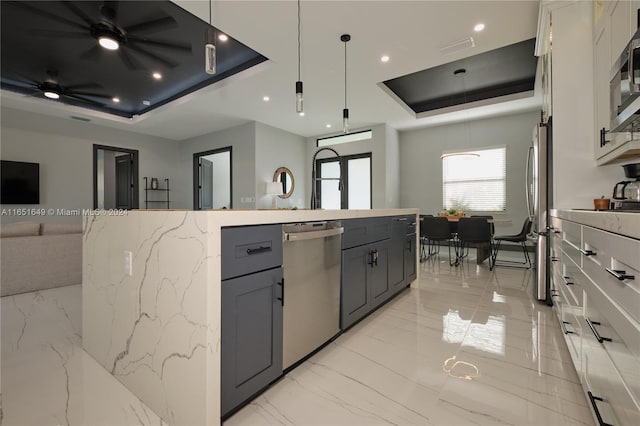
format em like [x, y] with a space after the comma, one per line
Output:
[539, 199]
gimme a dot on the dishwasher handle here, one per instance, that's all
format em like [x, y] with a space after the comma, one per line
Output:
[312, 235]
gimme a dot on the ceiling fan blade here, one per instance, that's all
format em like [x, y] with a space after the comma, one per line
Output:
[18, 88]
[92, 54]
[55, 33]
[80, 98]
[49, 15]
[164, 61]
[79, 13]
[84, 86]
[110, 10]
[185, 47]
[80, 93]
[156, 25]
[130, 62]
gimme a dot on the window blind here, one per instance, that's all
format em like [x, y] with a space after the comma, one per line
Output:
[475, 180]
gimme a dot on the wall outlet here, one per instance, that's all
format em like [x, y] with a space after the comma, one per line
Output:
[128, 263]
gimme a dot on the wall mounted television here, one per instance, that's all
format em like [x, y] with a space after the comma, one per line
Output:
[20, 182]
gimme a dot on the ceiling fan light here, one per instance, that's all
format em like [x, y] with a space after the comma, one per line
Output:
[108, 43]
[51, 94]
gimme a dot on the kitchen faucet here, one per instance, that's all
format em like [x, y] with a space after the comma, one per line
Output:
[314, 179]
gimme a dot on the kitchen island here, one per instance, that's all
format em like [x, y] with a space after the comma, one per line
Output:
[152, 300]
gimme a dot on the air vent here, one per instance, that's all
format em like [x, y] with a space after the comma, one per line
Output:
[456, 46]
[79, 118]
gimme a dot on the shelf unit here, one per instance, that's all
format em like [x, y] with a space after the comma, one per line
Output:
[148, 191]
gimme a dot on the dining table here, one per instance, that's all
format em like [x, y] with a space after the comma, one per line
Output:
[483, 251]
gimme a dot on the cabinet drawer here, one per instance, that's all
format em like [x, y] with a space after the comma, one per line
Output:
[409, 221]
[572, 280]
[249, 249]
[572, 330]
[619, 335]
[358, 232]
[572, 233]
[621, 256]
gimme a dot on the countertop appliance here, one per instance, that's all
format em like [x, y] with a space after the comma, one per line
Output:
[624, 88]
[626, 194]
[539, 196]
[311, 291]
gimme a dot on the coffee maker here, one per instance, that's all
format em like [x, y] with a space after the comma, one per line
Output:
[626, 194]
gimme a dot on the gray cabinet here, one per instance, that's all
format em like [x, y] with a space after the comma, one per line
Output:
[402, 258]
[251, 314]
[410, 253]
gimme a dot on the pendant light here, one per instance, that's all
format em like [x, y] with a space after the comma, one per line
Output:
[210, 48]
[299, 100]
[460, 73]
[345, 112]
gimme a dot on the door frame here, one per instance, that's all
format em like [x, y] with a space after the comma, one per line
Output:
[196, 174]
[344, 161]
[134, 173]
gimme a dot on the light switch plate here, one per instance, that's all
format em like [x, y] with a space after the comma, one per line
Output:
[128, 263]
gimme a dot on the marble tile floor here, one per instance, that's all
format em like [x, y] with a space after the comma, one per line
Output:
[463, 346]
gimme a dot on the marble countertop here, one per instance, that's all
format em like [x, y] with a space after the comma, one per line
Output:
[623, 223]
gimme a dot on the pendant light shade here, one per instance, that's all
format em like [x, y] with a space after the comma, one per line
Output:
[299, 94]
[345, 112]
[210, 48]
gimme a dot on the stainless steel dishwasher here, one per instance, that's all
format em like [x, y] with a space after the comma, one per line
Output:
[311, 293]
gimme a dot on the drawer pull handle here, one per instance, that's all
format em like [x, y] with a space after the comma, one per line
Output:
[566, 281]
[373, 259]
[592, 325]
[587, 252]
[261, 249]
[621, 275]
[593, 399]
[281, 299]
[554, 259]
[401, 219]
[564, 327]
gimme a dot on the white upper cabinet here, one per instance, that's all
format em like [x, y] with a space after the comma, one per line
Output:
[615, 23]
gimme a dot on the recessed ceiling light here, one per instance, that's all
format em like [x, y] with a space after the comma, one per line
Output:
[328, 126]
[108, 43]
[116, 99]
[51, 95]
[265, 98]
[479, 27]
[223, 37]
[146, 102]
[157, 75]
[384, 58]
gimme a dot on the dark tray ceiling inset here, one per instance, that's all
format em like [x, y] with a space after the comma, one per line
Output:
[504, 71]
[51, 40]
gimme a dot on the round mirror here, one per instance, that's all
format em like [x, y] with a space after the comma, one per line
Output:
[285, 177]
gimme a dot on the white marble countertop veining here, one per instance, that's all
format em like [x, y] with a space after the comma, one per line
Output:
[623, 223]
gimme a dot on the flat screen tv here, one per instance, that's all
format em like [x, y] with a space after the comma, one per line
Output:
[20, 182]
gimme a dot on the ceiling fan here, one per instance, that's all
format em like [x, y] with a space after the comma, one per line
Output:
[52, 89]
[111, 37]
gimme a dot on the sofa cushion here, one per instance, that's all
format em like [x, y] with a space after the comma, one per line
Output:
[56, 228]
[19, 229]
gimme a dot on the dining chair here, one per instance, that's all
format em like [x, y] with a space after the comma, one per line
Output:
[521, 238]
[490, 218]
[436, 230]
[474, 231]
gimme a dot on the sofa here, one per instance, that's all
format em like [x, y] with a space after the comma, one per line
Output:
[37, 256]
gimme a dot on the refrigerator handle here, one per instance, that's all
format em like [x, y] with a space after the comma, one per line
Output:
[527, 182]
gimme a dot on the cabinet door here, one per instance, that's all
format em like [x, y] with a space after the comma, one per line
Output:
[379, 274]
[410, 254]
[602, 67]
[354, 291]
[397, 277]
[619, 19]
[251, 349]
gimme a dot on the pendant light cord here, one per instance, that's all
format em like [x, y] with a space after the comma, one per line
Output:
[299, 40]
[210, 20]
[345, 74]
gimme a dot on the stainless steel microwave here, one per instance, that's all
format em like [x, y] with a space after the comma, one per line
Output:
[624, 88]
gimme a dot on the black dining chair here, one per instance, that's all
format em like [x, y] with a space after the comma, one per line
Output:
[490, 218]
[521, 238]
[435, 230]
[474, 231]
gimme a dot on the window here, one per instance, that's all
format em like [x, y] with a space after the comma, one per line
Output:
[357, 182]
[351, 137]
[475, 180]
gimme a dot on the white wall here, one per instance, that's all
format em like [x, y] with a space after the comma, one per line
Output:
[577, 179]
[277, 148]
[64, 149]
[241, 139]
[421, 165]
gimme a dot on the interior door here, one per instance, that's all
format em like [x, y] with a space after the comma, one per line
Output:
[206, 184]
[124, 181]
